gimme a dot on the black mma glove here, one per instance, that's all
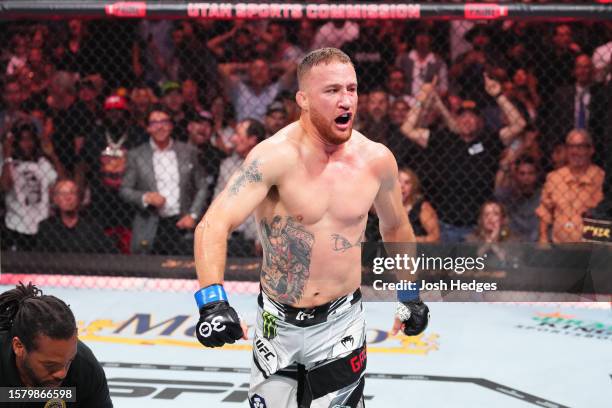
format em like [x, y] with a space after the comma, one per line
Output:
[414, 315]
[219, 323]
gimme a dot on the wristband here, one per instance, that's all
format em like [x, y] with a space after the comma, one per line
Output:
[211, 293]
[409, 295]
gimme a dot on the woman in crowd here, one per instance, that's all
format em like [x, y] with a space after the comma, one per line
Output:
[422, 215]
[491, 232]
[492, 224]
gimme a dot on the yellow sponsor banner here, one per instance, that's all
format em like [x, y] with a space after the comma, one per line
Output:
[105, 331]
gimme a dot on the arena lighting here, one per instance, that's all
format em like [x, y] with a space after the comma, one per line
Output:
[292, 11]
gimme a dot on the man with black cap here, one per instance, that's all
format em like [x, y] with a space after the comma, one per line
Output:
[200, 129]
[291, 106]
[276, 118]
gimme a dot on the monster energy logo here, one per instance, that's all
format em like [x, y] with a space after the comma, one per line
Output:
[269, 325]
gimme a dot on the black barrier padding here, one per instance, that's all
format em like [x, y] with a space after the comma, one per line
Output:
[263, 10]
[149, 266]
[576, 268]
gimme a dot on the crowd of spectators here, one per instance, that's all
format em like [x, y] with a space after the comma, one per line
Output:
[117, 135]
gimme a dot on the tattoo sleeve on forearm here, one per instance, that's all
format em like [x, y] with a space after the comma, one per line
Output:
[287, 252]
[246, 174]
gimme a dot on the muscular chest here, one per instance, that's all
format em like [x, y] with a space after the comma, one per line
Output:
[340, 191]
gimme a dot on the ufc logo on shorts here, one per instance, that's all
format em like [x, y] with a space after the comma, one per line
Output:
[206, 328]
[263, 350]
[303, 315]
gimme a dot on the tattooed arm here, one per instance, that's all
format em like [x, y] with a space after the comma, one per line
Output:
[245, 190]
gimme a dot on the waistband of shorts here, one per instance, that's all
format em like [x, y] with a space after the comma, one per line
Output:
[304, 317]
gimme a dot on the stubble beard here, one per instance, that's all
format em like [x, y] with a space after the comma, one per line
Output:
[326, 132]
[29, 372]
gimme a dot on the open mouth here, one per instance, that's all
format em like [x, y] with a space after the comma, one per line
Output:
[343, 119]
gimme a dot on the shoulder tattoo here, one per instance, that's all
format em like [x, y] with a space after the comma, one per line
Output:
[246, 174]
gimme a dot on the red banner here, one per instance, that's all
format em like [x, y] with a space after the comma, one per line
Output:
[485, 11]
[127, 9]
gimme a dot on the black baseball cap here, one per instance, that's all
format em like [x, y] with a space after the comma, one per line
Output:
[203, 116]
[276, 106]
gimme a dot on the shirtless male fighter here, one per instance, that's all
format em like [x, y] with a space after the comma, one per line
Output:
[310, 187]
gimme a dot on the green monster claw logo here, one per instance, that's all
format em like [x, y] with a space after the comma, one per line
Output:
[269, 325]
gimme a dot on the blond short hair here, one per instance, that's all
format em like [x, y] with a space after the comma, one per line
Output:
[318, 57]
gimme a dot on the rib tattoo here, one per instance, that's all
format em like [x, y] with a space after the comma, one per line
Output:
[287, 252]
[341, 243]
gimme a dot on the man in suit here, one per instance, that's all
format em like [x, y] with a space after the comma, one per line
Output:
[581, 105]
[166, 182]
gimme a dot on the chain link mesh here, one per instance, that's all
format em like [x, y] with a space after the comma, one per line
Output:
[478, 115]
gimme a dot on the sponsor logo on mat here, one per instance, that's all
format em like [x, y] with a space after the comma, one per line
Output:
[568, 325]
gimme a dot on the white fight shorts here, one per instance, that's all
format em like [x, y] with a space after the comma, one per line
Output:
[309, 357]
